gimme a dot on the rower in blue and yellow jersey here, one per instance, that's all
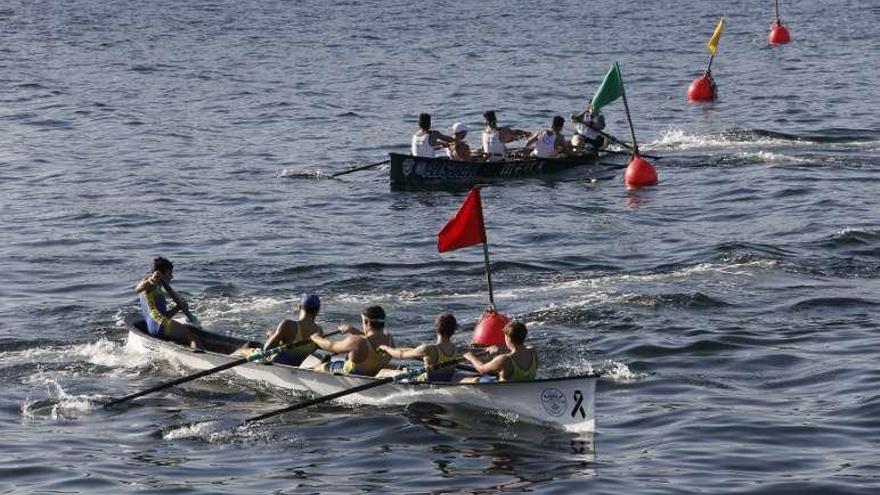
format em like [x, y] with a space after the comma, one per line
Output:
[520, 363]
[361, 346]
[159, 319]
[442, 351]
[290, 331]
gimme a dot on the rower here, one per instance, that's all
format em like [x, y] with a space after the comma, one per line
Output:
[495, 138]
[589, 126]
[290, 331]
[458, 149]
[425, 140]
[519, 363]
[362, 346]
[549, 142]
[154, 308]
[442, 351]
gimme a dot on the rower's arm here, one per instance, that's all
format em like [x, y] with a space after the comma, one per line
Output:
[438, 136]
[405, 352]
[273, 338]
[333, 346]
[492, 367]
[147, 282]
[347, 328]
[532, 140]
[179, 303]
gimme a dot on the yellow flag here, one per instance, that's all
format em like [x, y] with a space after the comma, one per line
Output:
[712, 45]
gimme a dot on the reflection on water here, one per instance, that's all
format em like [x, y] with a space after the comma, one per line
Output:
[482, 442]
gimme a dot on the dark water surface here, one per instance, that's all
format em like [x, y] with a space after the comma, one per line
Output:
[735, 304]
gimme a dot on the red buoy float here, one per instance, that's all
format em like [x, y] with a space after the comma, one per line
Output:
[702, 89]
[779, 35]
[640, 173]
[489, 330]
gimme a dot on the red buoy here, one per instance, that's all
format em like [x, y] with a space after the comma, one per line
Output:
[640, 173]
[489, 330]
[779, 35]
[702, 89]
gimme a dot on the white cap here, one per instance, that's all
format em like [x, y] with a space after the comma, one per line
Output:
[459, 127]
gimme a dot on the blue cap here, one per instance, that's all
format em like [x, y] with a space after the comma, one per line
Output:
[310, 301]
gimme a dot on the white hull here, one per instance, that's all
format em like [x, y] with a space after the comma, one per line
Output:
[566, 403]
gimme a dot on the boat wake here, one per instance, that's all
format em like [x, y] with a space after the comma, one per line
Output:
[679, 139]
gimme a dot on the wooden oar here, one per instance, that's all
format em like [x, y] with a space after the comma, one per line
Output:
[356, 169]
[188, 378]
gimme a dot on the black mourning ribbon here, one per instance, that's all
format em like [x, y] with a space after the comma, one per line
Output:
[578, 405]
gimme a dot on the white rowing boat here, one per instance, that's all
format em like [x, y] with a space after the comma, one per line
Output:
[567, 403]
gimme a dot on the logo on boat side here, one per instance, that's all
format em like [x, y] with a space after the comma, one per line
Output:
[554, 401]
[408, 166]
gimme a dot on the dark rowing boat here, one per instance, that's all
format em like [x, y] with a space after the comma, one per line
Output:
[408, 170]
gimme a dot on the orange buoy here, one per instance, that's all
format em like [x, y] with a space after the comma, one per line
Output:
[702, 89]
[640, 173]
[779, 35]
[489, 330]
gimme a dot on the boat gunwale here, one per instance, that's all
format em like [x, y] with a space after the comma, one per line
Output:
[592, 156]
[415, 384]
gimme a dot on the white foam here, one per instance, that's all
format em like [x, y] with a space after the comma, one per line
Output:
[680, 139]
[102, 352]
[201, 429]
[620, 373]
[287, 173]
[768, 157]
[225, 431]
[60, 404]
[606, 288]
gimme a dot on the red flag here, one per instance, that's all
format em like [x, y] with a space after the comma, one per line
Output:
[466, 227]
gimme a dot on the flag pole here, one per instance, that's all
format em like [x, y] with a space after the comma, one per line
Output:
[486, 257]
[488, 274]
[709, 65]
[628, 117]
